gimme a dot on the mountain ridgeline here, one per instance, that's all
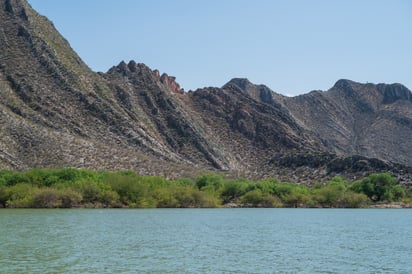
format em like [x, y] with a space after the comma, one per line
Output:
[56, 112]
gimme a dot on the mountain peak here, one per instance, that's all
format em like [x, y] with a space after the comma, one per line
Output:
[344, 84]
[394, 92]
[127, 68]
[261, 93]
[133, 69]
[390, 92]
[241, 83]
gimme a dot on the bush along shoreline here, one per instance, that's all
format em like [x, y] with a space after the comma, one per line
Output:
[74, 188]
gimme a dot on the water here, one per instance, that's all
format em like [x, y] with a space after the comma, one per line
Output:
[206, 241]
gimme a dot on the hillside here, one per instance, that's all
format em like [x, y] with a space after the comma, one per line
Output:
[56, 112]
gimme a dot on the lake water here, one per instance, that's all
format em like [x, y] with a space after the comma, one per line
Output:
[206, 241]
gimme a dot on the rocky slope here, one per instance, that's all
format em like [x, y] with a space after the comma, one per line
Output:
[364, 119]
[55, 111]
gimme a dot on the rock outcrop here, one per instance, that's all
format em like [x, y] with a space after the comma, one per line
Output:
[170, 83]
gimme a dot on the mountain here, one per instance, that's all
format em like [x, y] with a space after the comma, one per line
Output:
[56, 112]
[364, 119]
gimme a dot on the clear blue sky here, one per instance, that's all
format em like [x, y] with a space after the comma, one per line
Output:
[291, 46]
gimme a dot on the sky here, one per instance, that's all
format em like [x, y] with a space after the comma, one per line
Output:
[291, 46]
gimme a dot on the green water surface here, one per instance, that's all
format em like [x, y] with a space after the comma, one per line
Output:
[206, 241]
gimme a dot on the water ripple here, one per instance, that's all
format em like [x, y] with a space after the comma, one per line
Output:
[206, 241]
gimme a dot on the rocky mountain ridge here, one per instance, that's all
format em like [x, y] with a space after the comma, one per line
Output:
[55, 111]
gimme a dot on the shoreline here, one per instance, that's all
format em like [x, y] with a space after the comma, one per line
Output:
[396, 205]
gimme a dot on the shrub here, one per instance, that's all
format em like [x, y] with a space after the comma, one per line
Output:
[11, 178]
[354, 200]
[178, 196]
[331, 195]
[70, 198]
[71, 187]
[258, 198]
[54, 198]
[186, 182]
[298, 196]
[129, 188]
[231, 190]
[109, 198]
[90, 192]
[47, 198]
[204, 199]
[165, 198]
[283, 189]
[210, 182]
[20, 195]
[253, 197]
[268, 186]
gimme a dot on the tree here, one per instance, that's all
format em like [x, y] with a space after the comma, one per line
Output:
[379, 187]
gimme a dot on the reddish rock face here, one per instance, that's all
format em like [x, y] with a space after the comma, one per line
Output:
[170, 83]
